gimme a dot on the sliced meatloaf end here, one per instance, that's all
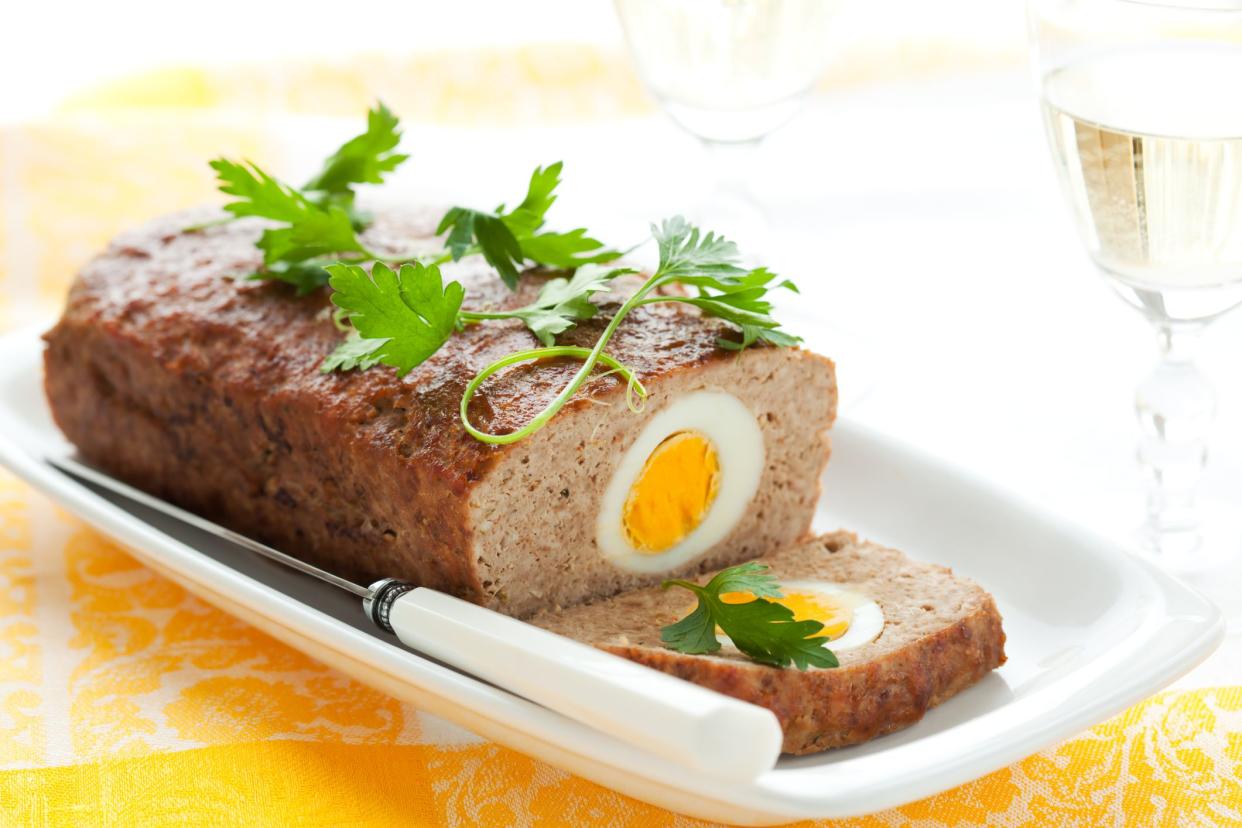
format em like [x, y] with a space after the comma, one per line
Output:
[942, 633]
[171, 372]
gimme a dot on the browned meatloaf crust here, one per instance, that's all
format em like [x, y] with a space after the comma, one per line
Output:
[942, 633]
[206, 390]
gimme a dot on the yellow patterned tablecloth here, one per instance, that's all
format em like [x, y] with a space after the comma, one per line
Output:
[126, 701]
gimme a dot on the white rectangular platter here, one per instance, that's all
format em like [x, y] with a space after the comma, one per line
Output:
[1090, 629]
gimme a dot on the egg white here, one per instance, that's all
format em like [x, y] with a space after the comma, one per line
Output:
[866, 621]
[735, 435]
[866, 617]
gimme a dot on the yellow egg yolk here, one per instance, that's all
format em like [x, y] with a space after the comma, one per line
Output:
[672, 494]
[806, 606]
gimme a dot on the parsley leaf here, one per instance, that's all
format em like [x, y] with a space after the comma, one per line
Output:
[310, 230]
[320, 222]
[363, 159]
[725, 290]
[306, 277]
[259, 194]
[562, 303]
[565, 251]
[508, 239]
[403, 317]
[320, 232]
[472, 231]
[687, 257]
[354, 353]
[743, 301]
[764, 630]
[528, 216]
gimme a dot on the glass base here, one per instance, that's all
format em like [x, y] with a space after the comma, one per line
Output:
[730, 126]
[1180, 551]
[736, 215]
[727, 206]
[1208, 558]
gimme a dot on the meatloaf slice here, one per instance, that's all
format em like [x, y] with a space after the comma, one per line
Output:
[941, 634]
[205, 389]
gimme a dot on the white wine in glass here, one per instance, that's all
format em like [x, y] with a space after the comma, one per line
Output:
[1148, 145]
[729, 72]
[1155, 181]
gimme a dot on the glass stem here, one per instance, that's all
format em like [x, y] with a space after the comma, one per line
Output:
[1175, 406]
[731, 164]
[730, 208]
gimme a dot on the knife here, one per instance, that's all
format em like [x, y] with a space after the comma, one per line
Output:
[680, 721]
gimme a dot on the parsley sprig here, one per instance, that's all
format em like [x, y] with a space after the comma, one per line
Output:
[764, 630]
[318, 223]
[363, 159]
[706, 262]
[402, 317]
[562, 303]
[509, 238]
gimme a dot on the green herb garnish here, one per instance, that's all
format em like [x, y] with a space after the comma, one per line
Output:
[320, 224]
[708, 263]
[363, 159]
[562, 303]
[763, 630]
[403, 317]
[509, 238]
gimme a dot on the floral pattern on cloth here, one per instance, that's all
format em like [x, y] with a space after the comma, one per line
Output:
[107, 670]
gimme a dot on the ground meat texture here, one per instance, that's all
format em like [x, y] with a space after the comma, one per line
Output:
[205, 389]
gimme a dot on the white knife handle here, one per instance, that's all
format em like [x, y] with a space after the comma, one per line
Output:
[675, 719]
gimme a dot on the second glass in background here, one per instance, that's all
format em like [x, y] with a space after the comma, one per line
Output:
[729, 72]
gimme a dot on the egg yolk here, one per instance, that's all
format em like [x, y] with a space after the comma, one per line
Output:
[806, 606]
[672, 494]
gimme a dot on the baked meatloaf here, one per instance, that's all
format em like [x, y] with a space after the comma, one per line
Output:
[206, 389]
[939, 634]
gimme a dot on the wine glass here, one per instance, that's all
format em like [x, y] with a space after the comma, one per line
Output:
[729, 72]
[1146, 135]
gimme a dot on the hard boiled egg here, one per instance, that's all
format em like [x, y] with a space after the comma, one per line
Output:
[850, 618]
[682, 485]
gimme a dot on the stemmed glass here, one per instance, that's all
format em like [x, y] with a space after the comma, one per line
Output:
[729, 72]
[1145, 125]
